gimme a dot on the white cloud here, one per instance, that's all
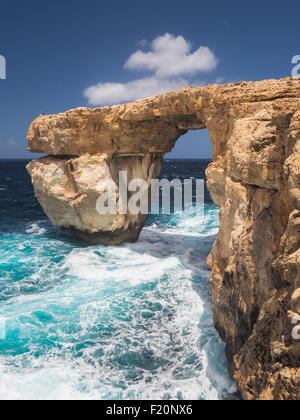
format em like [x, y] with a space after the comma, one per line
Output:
[12, 143]
[169, 59]
[171, 56]
[112, 93]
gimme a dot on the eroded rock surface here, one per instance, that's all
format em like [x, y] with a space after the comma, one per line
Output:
[68, 189]
[254, 179]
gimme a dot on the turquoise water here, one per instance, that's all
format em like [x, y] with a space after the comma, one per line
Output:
[94, 322]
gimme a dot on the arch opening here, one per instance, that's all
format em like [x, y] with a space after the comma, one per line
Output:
[195, 144]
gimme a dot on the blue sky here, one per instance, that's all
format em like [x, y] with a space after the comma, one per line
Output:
[55, 50]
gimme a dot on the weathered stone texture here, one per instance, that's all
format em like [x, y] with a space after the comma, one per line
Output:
[254, 179]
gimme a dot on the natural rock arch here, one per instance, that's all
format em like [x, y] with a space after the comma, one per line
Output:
[254, 179]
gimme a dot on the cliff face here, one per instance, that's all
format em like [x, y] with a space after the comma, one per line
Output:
[254, 179]
[255, 261]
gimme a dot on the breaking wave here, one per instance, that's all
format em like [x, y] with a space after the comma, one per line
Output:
[94, 322]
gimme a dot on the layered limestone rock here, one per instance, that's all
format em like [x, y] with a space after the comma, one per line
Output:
[68, 190]
[254, 179]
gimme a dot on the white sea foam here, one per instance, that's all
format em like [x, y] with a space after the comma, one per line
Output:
[35, 229]
[186, 373]
[126, 322]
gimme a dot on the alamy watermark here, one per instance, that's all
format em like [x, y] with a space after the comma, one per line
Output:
[140, 197]
[2, 67]
[296, 68]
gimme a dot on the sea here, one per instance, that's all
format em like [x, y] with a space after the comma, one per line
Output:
[97, 323]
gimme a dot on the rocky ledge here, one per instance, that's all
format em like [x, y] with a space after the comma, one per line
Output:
[254, 179]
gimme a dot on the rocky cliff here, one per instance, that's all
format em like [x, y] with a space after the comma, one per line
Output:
[254, 179]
